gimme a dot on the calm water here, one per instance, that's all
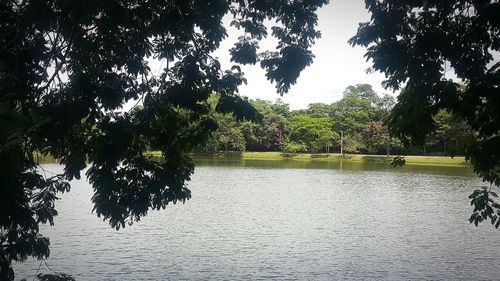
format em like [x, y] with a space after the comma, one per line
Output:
[259, 223]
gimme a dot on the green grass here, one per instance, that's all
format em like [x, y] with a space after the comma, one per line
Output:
[279, 156]
[334, 158]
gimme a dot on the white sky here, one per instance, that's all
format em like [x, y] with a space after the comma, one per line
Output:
[336, 65]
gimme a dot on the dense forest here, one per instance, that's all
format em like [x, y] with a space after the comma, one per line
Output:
[356, 121]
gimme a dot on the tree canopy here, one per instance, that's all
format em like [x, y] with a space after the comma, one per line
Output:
[67, 67]
[415, 44]
[312, 132]
[317, 128]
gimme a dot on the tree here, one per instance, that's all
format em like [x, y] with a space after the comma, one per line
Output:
[228, 135]
[67, 67]
[270, 133]
[376, 138]
[384, 106]
[363, 91]
[352, 113]
[325, 139]
[294, 147]
[353, 143]
[319, 110]
[265, 107]
[415, 43]
[452, 133]
[315, 133]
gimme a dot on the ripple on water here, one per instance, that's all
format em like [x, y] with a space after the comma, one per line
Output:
[284, 224]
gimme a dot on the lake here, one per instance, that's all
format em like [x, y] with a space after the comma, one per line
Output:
[272, 220]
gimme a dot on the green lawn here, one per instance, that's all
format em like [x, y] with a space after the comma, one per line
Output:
[277, 156]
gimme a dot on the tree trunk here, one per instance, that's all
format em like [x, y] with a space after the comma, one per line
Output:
[342, 143]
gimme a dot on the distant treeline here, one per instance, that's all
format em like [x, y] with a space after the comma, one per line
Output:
[357, 121]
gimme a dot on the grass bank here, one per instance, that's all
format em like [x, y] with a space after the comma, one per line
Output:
[307, 157]
[354, 158]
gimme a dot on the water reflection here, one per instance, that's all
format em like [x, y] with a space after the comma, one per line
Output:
[346, 166]
[298, 164]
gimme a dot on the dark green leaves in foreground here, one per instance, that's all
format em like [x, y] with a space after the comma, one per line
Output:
[55, 277]
[485, 207]
[398, 161]
[418, 45]
[68, 67]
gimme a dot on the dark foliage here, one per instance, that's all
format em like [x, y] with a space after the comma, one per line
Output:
[484, 207]
[55, 277]
[67, 67]
[415, 43]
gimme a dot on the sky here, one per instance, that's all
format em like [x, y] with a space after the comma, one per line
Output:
[336, 65]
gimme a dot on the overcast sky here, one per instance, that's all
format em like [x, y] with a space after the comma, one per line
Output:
[336, 65]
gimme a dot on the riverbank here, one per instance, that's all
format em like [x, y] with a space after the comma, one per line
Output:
[334, 158]
[308, 157]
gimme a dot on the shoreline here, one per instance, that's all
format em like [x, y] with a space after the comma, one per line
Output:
[419, 160]
[412, 160]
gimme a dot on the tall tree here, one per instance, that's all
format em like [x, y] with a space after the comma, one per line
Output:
[314, 133]
[325, 139]
[67, 67]
[384, 105]
[270, 133]
[415, 43]
[319, 110]
[228, 135]
[364, 91]
[352, 113]
[377, 138]
[452, 133]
